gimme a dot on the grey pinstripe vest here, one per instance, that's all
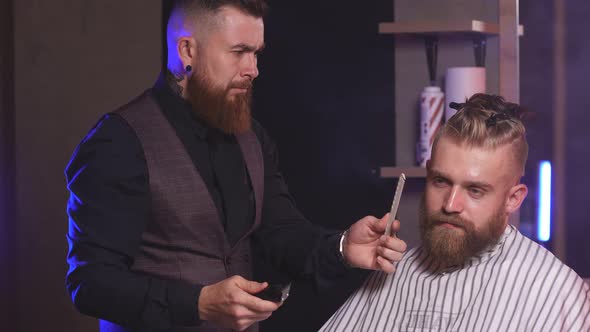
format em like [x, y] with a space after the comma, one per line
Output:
[185, 240]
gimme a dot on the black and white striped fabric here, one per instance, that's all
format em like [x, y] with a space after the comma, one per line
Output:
[516, 285]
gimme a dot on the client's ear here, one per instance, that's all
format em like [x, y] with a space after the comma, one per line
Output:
[516, 196]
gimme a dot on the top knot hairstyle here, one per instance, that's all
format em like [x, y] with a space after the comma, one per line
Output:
[488, 121]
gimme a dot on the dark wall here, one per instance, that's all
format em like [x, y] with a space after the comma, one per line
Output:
[325, 94]
[578, 136]
[73, 61]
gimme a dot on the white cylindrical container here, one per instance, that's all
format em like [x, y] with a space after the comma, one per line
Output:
[461, 83]
[432, 102]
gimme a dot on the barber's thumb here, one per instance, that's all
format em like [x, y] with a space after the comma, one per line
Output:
[381, 224]
[253, 287]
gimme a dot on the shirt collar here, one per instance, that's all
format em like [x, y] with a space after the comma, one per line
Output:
[493, 249]
[177, 109]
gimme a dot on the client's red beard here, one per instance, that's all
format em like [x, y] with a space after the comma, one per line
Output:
[215, 108]
[454, 246]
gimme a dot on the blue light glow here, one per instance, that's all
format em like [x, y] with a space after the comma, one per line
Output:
[544, 208]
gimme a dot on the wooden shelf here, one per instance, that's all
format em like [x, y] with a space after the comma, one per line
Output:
[410, 172]
[442, 27]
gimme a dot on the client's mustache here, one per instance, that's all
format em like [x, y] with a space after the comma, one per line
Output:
[439, 218]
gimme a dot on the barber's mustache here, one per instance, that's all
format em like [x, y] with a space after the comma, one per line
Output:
[241, 85]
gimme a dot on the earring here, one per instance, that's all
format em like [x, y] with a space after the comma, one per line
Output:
[189, 68]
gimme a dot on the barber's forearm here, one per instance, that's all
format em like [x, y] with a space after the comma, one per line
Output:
[327, 262]
[133, 300]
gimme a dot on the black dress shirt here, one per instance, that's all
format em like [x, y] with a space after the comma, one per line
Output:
[110, 203]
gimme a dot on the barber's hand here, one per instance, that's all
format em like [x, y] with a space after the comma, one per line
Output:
[366, 246]
[230, 303]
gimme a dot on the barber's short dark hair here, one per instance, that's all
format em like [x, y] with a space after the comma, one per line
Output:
[256, 8]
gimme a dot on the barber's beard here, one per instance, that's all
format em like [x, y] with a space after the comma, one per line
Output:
[214, 106]
[454, 246]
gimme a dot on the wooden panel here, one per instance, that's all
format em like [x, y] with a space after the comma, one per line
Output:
[509, 50]
[509, 75]
[559, 130]
[7, 171]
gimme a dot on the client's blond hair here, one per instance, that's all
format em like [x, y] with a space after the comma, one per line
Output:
[487, 121]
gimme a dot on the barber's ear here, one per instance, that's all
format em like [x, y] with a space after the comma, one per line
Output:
[516, 196]
[187, 50]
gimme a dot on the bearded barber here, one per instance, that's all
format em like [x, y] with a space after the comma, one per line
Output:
[169, 192]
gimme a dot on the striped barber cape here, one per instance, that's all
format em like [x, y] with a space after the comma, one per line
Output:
[516, 285]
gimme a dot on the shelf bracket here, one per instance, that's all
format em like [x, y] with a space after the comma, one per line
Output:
[431, 45]
[479, 50]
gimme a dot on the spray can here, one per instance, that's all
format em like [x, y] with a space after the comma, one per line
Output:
[431, 114]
